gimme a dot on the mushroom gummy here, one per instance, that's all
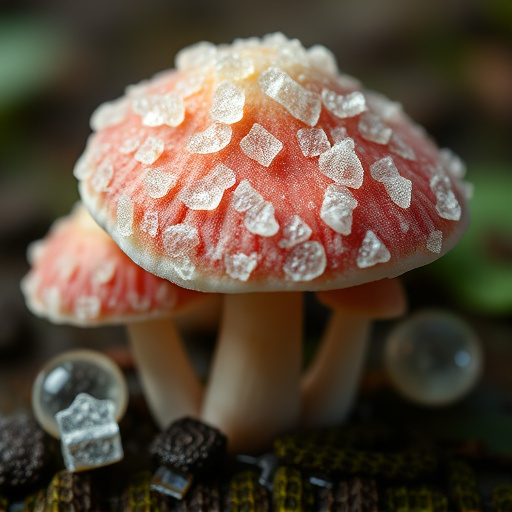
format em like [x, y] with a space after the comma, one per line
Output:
[257, 169]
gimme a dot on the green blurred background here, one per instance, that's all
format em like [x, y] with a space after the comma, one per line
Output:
[448, 62]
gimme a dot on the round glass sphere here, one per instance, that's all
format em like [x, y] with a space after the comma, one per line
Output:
[71, 373]
[433, 358]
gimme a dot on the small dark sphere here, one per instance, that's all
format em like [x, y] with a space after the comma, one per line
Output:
[25, 451]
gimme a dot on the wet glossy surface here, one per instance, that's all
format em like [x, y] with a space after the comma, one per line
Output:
[433, 358]
[71, 373]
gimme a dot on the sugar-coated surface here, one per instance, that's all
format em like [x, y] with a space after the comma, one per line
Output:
[342, 164]
[337, 208]
[435, 241]
[80, 276]
[372, 251]
[313, 141]
[295, 231]
[302, 104]
[260, 145]
[89, 434]
[228, 103]
[259, 166]
[213, 139]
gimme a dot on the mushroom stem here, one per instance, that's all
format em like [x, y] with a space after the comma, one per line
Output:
[254, 388]
[329, 385]
[171, 386]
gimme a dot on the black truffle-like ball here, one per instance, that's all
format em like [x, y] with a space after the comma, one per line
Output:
[25, 451]
[189, 446]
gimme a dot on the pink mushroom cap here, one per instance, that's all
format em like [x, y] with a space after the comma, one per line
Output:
[258, 166]
[80, 276]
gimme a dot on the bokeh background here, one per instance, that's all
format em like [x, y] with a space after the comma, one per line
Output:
[448, 61]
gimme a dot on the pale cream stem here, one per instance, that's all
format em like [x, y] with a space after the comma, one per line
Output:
[329, 386]
[169, 382]
[254, 388]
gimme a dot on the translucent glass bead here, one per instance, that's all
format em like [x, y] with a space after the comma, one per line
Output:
[433, 358]
[71, 373]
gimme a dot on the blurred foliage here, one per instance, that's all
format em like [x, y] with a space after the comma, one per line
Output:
[32, 54]
[479, 269]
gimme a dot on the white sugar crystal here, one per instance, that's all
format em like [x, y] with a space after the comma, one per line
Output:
[189, 86]
[322, 59]
[337, 246]
[261, 145]
[338, 134]
[295, 231]
[83, 168]
[384, 169]
[149, 223]
[342, 165]
[166, 296]
[350, 105]
[159, 110]
[399, 190]
[206, 193]
[109, 114]
[435, 241]
[87, 307]
[150, 151]
[89, 434]
[447, 205]
[451, 163]
[260, 219]
[305, 262]
[373, 129]
[180, 240]
[129, 146]
[35, 251]
[347, 81]
[138, 302]
[291, 53]
[234, 67]
[245, 197]
[102, 176]
[337, 208]
[158, 182]
[404, 226]
[468, 189]
[213, 139]
[275, 40]
[52, 299]
[383, 106]
[228, 103]
[104, 272]
[398, 146]
[302, 104]
[184, 267]
[313, 141]
[240, 266]
[198, 54]
[372, 251]
[66, 266]
[398, 187]
[125, 212]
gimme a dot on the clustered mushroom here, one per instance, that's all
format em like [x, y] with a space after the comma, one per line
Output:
[79, 276]
[259, 171]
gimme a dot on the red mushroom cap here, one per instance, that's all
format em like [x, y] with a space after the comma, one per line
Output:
[258, 166]
[80, 276]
